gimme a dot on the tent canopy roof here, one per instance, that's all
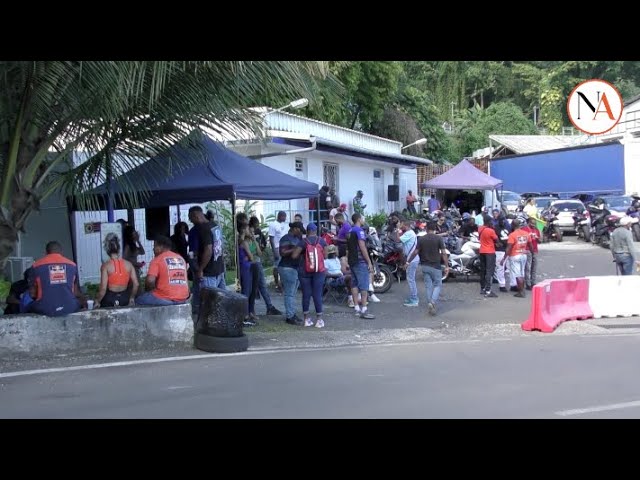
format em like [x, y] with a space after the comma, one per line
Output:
[463, 176]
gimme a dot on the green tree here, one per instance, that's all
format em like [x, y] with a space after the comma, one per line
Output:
[501, 118]
[119, 112]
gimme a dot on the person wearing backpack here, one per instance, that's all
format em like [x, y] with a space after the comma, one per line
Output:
[312, 274]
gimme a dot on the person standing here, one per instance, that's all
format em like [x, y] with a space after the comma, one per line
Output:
[179, 240]
[277, 230]
[53, 284]
[289, 270]
[133, 249]
[433, 204]
[311, 274]
[344, 228]
[358, 206]
[517, 246]
[261, 240]
[622, 247]
[411, 200]
[530, 208]
[502, 274]
[360, 266]
[432, 253]
[332, 216]
[532, 255]
[409, 241]
[210, 268]
[488, 239]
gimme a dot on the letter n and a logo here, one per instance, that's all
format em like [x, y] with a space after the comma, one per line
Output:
[595, 106]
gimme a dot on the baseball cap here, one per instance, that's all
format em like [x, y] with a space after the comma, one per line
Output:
[466, 216]
[343, 205]
[296, 225]
[312, 227]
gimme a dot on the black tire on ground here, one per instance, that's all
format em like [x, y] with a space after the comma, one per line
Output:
[212, 344]
[558, 234]
[382, 279]
[586, 232]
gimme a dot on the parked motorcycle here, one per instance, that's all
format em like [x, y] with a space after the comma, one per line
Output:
[582, 223]
[467, 262]
[382, 274]
[551, 228]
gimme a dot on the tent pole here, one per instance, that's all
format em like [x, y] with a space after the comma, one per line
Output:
[318, 210]
[235, 240]
[110, 216]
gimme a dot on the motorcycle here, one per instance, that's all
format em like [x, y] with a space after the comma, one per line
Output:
[467, 262]
[599, 228]
[551, 227]
[581, 223]
[634, 213]
[382, 274]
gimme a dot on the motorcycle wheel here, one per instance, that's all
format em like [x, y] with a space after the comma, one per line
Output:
[636, 232]
[586, 233]
[382, 279]
[558, 233]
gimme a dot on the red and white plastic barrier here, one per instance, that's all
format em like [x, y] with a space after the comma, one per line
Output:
[556, 301]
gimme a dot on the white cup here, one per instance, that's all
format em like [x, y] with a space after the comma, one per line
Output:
[90, 304]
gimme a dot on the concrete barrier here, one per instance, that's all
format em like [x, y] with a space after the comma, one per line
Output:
[112, 329]
[615, 296]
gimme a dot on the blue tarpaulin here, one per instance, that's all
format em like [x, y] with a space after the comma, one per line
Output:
[208, 171]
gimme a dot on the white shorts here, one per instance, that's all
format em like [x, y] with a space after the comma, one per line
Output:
[517, 265]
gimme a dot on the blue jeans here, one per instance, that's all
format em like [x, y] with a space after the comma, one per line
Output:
[205, 282]
[262, 286]
[432, 282]
[249, 284]
[150, 299]
[625, 262]
[289, 279]
[411, 280]
[360, 276]
[312, 286]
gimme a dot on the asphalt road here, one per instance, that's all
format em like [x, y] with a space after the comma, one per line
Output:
[526, 377]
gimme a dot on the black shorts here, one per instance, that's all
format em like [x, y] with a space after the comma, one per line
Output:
[110, 298]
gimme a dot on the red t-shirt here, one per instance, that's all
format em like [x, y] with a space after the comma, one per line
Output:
[488, 239]
[170, 271]
[519, 240]
[535, 235]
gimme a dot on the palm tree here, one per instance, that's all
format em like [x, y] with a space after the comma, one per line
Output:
[118, 113]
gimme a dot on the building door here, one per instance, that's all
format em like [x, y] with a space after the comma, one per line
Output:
[301, 205]
[378, 192]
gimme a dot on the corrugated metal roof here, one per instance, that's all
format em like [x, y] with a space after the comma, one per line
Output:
[540, 143]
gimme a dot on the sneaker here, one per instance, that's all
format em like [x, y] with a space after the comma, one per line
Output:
[308, 322]
[514, 289]
[294, 320]
[410, 303]
[357, 309]
[320, 323]
[529, 287]
[273, 311]
[519, 295]
[351, 304]
[249, 322]
[432, 308]
[366, 316]
[373, 298]
[503, 289]
[490, 295]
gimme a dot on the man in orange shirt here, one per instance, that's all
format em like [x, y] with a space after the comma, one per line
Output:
[488, 239]
[167, 277]
[518, 244]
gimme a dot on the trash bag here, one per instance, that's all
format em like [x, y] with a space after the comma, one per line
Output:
[221, 313]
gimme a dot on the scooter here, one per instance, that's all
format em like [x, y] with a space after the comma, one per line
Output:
[581, 223]
[382, 274]
[467, 262]
[551, 228]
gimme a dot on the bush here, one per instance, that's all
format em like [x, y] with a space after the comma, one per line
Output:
[377, 220]
[5, 287]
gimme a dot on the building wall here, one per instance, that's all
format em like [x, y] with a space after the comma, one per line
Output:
[632, 165]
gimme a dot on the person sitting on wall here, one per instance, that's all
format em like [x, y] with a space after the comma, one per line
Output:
[53, 284]
[19, 297]
[167, 277]
[118, 279]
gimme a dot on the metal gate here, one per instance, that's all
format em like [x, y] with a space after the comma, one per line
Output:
[330, 176]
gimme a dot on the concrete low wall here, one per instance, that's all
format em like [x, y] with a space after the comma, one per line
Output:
[116, 329]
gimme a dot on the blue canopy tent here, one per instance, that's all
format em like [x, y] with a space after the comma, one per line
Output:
[205, 171]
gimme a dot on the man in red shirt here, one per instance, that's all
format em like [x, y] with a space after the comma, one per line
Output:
[532, 255]
[166, 282]
[488, 239]
[517, 246]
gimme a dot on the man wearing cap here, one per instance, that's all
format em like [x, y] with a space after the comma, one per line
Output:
[277, 230]
[332, 214]
[288, 268]
[622, 247]
[468, 226]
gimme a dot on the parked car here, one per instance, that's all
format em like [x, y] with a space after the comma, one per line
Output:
[510, 200]
[618, 204]
[588, 198]
[543, 202]
[566, 211]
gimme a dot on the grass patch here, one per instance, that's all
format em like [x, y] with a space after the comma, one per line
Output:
[230, 275]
